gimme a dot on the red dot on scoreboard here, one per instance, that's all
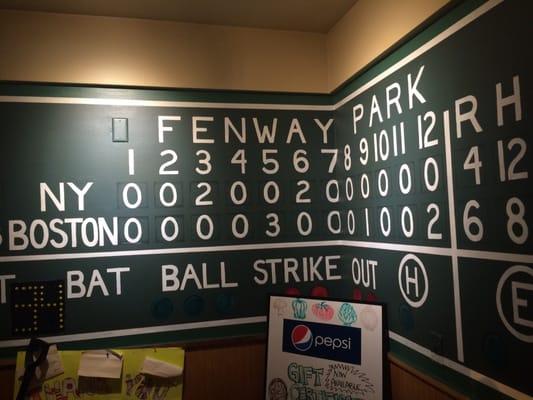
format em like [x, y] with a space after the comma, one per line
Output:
[292, 291]
[319, 291]
[371, 297]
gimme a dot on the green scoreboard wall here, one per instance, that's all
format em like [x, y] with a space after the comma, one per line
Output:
[142, 216]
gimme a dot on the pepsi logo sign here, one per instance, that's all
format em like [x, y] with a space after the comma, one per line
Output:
[302, 337]
[327, 341]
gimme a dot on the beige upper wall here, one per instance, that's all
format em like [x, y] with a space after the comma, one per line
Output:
[104, 50]
[370, 28]
[45, 47]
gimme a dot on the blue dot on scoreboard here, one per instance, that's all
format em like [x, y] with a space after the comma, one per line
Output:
[407, 319]
[162, 309]
[225, 303]
[194, 305]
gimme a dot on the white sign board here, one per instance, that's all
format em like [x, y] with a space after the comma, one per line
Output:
[324, 349]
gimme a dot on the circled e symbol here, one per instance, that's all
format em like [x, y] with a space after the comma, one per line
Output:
[517, 302]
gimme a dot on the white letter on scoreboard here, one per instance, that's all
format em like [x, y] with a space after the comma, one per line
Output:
[58, 202]
[520, 302]
[118, 278]
[467, 116]
[411, 280]
[412, 90]
[358, 112]
[17, 233]
[507, 101]
[196, 130]
[169, 278]
[324, 128]
[81, 193]
[75, 279]
[162, 128]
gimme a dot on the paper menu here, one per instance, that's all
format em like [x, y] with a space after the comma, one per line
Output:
[161, 369]
[100, 364]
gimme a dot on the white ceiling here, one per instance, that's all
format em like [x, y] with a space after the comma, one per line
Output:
[296, 15]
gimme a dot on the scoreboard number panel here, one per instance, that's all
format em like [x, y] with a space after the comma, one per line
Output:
[441, 143]
[177, 213]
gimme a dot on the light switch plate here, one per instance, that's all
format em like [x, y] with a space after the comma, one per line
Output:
[120, 129]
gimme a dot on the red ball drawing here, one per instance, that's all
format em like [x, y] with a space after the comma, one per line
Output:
[323, 311]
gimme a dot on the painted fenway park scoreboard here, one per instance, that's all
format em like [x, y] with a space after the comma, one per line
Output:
[170, 215]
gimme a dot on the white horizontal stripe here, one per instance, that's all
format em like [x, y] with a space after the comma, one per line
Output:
[440, 251]
[161, 103]
[509, 391]
[179, 250]
[492, 255]
[138, 331]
